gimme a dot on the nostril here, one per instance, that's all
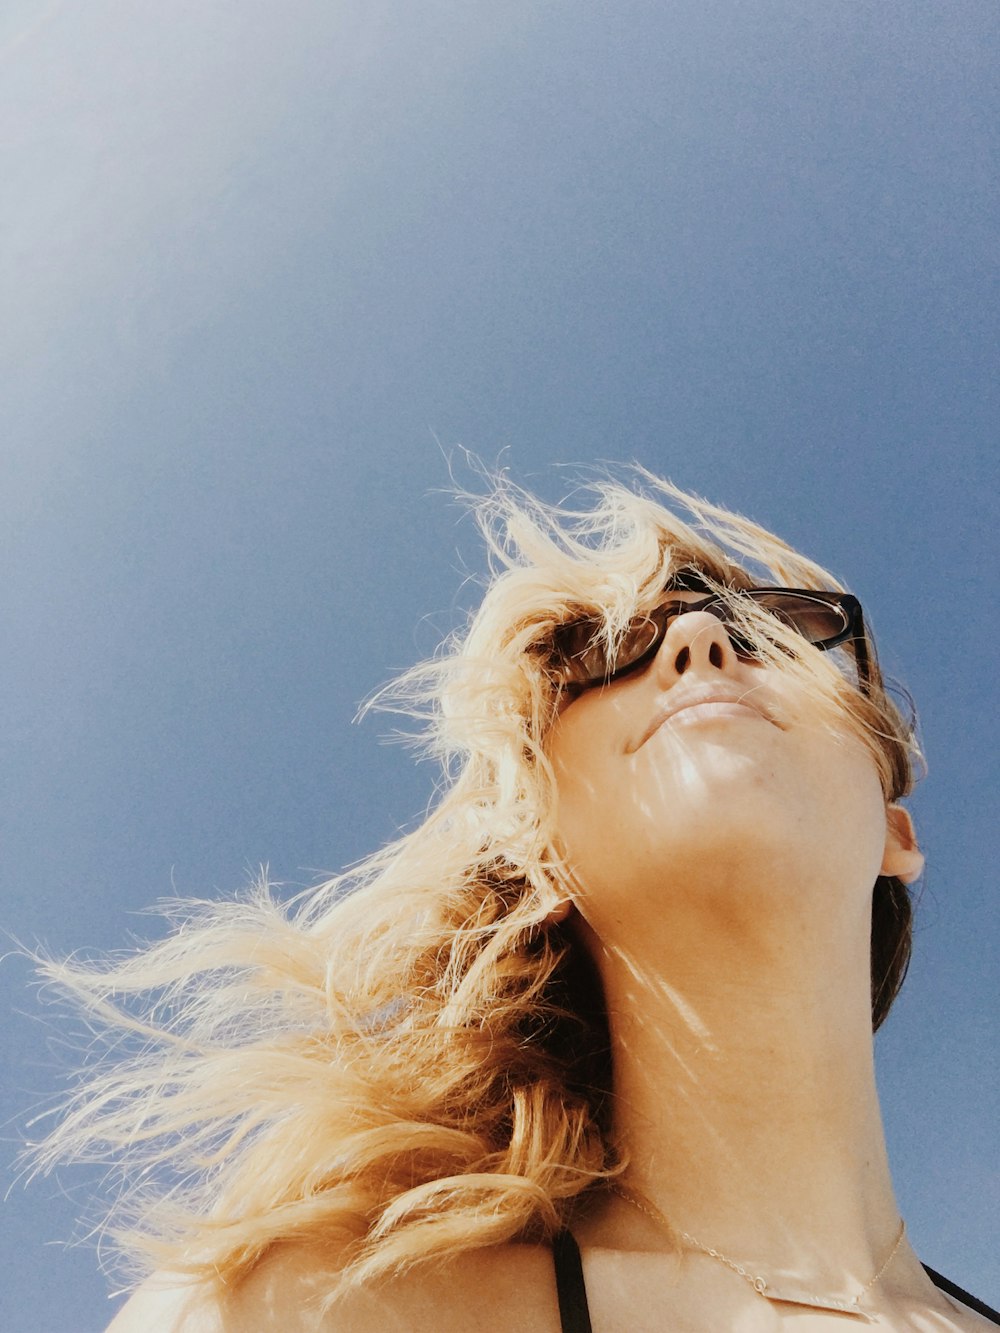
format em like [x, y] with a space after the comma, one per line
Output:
[715, 653]
[682, 659]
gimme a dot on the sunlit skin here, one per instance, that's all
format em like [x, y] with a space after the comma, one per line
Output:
[724, 867]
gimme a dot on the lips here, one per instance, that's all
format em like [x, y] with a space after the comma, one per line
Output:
[741, 700]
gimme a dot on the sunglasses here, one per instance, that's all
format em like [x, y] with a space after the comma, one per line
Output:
[824, 619]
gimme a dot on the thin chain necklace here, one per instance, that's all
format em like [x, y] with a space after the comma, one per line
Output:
[760, 1285]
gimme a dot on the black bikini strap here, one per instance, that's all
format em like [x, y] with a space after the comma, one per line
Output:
[574, 1313]
[953, 1289]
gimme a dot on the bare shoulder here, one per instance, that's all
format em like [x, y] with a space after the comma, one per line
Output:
[504, 1288]
[968, 1321]
[169, 1304]
[499, 1289]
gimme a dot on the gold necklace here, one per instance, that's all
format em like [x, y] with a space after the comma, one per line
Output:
[760, 1285]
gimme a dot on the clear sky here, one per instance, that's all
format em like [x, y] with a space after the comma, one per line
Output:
[267, 263]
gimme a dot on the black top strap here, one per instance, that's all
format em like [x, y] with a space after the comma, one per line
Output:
[953, 1289]
[574, 1312]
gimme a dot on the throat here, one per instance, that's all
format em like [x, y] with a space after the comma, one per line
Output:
[755, 1128]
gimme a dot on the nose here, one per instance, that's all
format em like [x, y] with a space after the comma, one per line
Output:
[695, 642]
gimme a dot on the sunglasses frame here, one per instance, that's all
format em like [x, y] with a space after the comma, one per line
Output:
[854, 631]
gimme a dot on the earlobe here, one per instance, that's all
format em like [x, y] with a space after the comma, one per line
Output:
[558, 912]
[902, 857]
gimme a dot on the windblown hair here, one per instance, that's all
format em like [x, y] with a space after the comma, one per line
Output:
[406, 1060]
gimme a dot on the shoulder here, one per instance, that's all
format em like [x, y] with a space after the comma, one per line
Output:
[969, 1320]
[498, 1289]
[170, 1304]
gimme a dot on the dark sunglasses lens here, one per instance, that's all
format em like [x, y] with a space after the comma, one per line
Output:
[818, 622]
[638, 639]
[583, 659]
[576, 652]
[582, 654]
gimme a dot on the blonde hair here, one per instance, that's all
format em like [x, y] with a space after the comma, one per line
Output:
[402, 1059]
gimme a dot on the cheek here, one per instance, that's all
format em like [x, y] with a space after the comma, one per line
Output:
[845, 783]
[582, 808]
[590, 785]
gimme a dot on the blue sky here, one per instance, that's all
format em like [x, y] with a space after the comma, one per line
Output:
[266, 267]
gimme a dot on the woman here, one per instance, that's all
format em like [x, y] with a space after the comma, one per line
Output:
[615, 997]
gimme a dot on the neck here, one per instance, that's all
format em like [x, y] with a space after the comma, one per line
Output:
[745, 1097]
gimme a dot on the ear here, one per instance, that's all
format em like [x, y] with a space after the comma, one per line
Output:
[559, 911]
[902, 857]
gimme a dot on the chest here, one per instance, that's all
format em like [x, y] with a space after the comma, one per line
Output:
[654, 1294]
